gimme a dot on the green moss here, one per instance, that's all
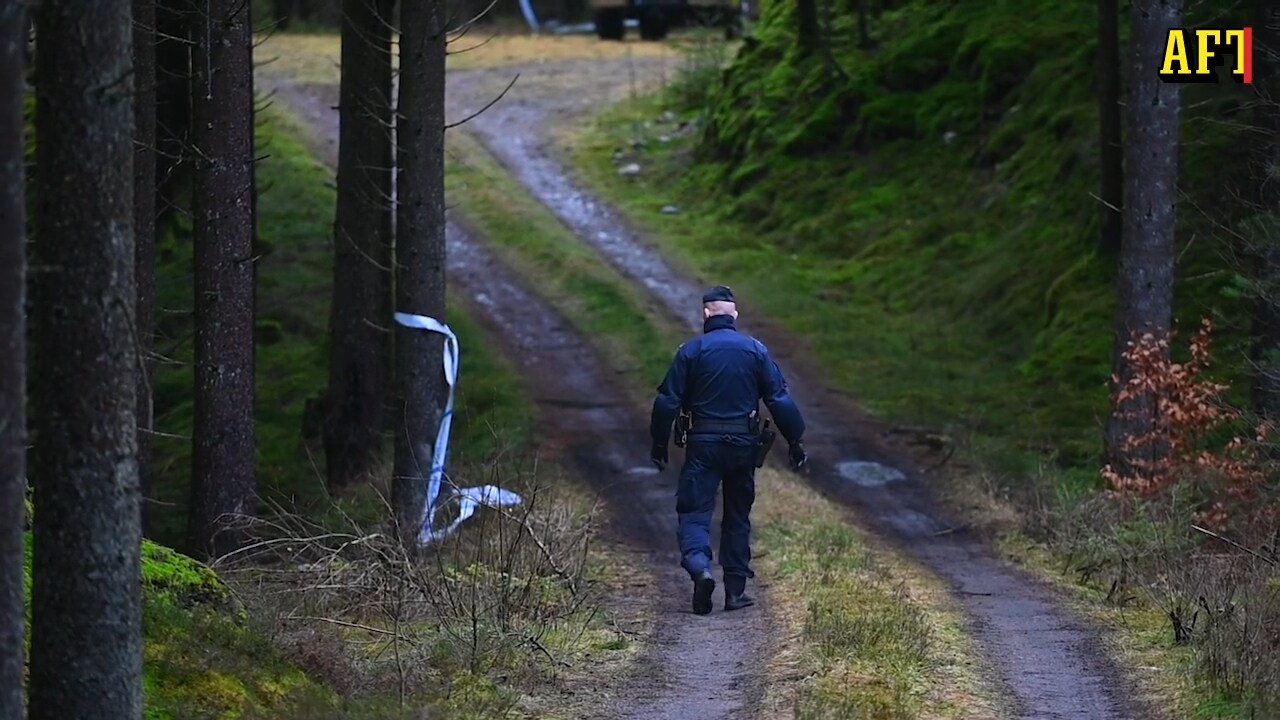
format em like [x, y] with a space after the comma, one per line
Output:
[179, 578]
[202, 661]
[203, 658]
[941, 250]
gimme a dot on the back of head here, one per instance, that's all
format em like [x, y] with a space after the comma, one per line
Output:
[719, 301]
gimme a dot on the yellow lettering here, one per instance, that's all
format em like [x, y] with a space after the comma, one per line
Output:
[1235, 38]
[1175, 51]
[1206, 41]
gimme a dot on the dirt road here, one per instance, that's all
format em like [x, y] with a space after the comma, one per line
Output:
[588, 424]
[1048, 660]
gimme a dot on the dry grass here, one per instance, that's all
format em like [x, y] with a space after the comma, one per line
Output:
[315, 58]
[886, 641]
[497, 622]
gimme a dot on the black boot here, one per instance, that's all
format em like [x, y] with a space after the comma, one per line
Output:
[735, 593]
[704, 583]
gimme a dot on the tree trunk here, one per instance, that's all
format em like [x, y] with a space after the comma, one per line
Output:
[86, 640]
[864, 31]
[360, 350]
[173, 102]
[1265, 246]
[1145, 277]
[144, 225]
[420, 254]
[1110, 144]
[807, 31]
[13, 355]
[222, 483]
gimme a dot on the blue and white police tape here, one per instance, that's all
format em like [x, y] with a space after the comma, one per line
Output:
[469, 499]
[529, 17]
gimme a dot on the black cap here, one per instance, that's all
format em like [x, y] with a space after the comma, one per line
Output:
[719, 293]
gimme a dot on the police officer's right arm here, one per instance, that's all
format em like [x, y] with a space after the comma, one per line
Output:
[666, 406]
[773, 390]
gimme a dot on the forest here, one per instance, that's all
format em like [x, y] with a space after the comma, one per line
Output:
[329, 331]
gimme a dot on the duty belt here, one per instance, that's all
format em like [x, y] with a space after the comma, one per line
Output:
[739, 426]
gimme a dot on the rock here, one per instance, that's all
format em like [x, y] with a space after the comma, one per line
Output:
[667, 117]
[637, 144]
[670, 209]
[949, 137]
[618, 157]
[629, 170]
[664, 138]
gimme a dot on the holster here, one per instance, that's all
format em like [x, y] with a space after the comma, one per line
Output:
[683, 422]
[765, 443]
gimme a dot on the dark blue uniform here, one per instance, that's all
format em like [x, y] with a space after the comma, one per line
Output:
[720, 379]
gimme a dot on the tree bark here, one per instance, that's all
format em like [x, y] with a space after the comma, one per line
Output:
[144, 225]
[13, 355]
[420, 254]
[222, 483]
[173, 102]
[1264, 247]
[1145, 278]
[1110, 144]
[86, 641]
[360, 350]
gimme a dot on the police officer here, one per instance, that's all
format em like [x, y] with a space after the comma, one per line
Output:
[719, 379]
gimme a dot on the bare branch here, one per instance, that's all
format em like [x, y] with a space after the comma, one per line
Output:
[491, 103]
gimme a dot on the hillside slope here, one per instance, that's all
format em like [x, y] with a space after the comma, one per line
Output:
[926, 208]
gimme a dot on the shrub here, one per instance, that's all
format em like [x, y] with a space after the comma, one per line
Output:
[484, 614]
[1188, 409]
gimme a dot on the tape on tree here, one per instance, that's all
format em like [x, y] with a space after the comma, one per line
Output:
[469, 499]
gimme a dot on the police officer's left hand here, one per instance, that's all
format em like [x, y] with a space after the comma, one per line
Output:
[799, 458]
[658, 454]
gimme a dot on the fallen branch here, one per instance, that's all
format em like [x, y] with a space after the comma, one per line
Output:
[1235, 544]
[355, 626]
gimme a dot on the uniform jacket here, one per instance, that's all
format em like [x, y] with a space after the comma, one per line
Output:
[723, 375]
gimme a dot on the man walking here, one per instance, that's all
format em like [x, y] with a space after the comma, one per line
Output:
[718, 380]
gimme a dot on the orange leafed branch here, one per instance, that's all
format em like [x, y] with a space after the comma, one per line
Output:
[1187, 407]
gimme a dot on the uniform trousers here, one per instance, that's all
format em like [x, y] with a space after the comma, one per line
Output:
[711, 461]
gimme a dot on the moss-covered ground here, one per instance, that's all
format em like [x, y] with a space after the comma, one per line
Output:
[204, 658]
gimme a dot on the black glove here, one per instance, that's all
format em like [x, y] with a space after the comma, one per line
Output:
[798, 456]
[658, 454]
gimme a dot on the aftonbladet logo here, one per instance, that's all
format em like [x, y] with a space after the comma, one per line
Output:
[1193, 56]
